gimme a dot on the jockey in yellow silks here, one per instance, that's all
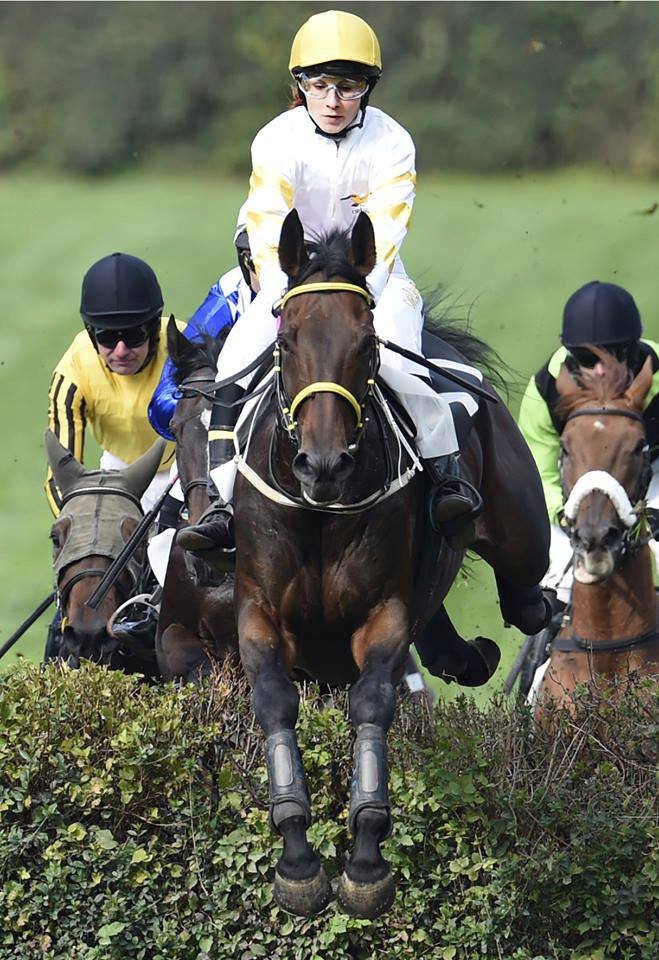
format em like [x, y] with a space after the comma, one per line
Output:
[330, 157]
[107, 376]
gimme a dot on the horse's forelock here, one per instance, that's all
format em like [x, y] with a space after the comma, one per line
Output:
[595, 387]
[329, 253]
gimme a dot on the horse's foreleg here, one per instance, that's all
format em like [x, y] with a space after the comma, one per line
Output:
[181, 655]
[366, 888]
[301, 885]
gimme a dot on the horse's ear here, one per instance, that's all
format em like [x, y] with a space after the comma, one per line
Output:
[67, 470]
[175, 339]
[139, 475]
[565, 383]
[292, 253]
[362, 245]
[637, 391]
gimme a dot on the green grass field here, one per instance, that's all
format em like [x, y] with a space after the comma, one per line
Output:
[510, 248]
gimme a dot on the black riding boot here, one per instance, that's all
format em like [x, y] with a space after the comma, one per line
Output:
[454, 502]
[213, 537]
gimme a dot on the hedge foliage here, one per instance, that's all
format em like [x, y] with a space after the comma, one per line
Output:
[133, 825]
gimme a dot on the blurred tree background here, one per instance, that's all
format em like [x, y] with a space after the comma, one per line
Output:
[98, 87]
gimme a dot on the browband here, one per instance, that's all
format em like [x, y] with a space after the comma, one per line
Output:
[327, 286]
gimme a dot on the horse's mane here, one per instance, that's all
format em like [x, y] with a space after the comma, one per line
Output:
[189, 356]
[440, 319]
[330, 253]
[596, 388]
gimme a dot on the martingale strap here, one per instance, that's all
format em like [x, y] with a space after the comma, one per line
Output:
[576, 644]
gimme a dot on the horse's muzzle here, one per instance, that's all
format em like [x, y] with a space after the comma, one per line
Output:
[596, 551]
[98, 647]
[323, 477]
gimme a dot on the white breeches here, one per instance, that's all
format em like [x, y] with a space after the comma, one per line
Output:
[560, 550]
[153, 491]
[397, 317]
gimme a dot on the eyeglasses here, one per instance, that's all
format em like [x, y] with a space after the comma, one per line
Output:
[346, 89]
[585, 358]
[133, 337]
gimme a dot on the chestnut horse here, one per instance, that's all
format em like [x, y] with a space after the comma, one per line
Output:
[611, 627]
[100, 510]
[331, 534]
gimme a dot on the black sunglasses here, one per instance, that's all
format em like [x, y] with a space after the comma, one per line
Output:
[133, 337]
[585, 358]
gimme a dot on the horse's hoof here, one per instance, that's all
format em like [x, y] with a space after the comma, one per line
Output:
[366, 900]
[482, 662]
[304, 898]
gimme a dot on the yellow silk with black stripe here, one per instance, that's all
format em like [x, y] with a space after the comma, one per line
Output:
[85, 393]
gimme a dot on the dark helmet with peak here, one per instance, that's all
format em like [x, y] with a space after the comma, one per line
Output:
[602, 314]
[119, 292]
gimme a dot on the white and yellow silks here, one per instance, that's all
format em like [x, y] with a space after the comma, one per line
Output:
[329, 183]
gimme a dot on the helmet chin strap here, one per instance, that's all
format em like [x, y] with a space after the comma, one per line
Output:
[353, 126]
[342, 133]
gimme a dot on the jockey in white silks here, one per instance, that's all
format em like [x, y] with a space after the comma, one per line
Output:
[330, 157]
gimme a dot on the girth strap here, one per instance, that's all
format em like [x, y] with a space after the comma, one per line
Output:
[576, 644]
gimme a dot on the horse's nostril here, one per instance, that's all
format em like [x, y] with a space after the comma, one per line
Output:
[592, 537]
[302, 466]
[612, 537]
[343, 467]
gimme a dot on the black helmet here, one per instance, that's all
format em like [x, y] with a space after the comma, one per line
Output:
[119, 292]
[601, 314]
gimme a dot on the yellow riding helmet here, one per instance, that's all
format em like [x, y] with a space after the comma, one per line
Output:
[335, 35]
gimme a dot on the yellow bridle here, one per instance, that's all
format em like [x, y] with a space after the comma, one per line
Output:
[322, 386]
[328, 286]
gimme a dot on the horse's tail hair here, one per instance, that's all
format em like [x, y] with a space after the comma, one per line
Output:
[452, 322]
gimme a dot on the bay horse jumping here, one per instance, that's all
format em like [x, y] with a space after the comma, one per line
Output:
[99, 512]
[612, 626]
[196, 625]
[331, 534]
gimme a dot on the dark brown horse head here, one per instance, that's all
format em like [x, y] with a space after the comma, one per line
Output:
[604, 459]
[100, 511]
[328, 342]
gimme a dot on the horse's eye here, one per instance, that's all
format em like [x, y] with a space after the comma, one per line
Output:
[640, 447]
[366, 346]
[284, 345]
[564, 450]
[54, 536]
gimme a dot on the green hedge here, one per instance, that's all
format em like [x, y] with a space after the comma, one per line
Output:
[133, 825]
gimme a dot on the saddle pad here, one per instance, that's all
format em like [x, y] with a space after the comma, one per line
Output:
[463, 403]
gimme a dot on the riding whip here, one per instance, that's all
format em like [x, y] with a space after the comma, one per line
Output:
[34, 616]
[117, 565]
